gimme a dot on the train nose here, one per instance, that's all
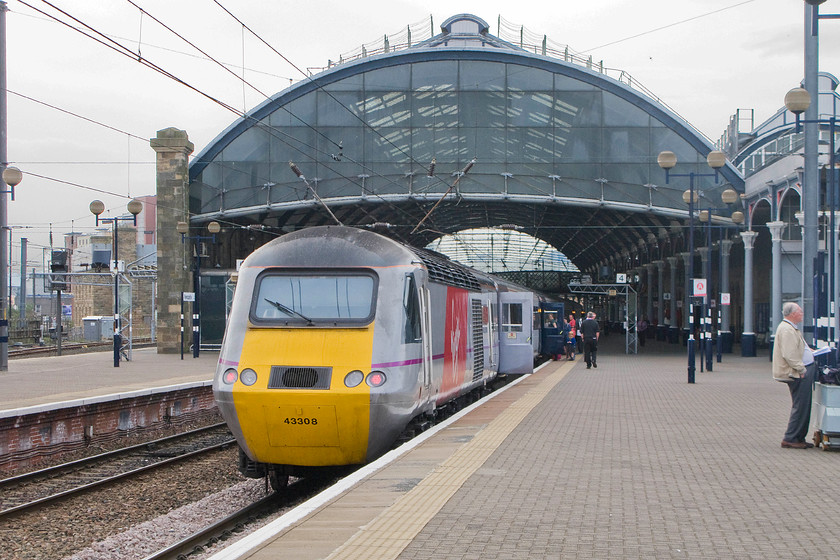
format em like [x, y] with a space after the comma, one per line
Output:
[304, 415]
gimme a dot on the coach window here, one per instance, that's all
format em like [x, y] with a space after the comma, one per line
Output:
[411, 306]
[511, 317]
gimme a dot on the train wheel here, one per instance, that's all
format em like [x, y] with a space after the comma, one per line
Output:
[279, 481]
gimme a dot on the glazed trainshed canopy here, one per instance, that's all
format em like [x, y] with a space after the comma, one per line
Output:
[562, 152]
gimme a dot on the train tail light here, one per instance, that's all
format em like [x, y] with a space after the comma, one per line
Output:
[230, 376]
[376, 379]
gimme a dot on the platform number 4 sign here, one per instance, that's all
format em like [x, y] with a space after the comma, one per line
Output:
[620, 278]
[699, 287]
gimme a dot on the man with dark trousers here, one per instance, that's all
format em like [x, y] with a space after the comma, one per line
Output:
[793, 364]
[590, 331]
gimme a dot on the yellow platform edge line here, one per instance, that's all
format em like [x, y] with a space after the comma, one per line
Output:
[386, 536]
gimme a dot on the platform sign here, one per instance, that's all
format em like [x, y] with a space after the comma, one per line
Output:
[620, 278]
[724, 298]
[699, 287]
[189, 296]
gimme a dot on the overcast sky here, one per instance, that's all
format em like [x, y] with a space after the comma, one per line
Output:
[704, 58]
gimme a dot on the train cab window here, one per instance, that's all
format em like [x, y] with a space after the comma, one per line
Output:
[511, 317]
[537, 319]
[411, 306]
[304, 298]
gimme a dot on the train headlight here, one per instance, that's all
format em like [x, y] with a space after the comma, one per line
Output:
[230, 376]
[248, 377]
[353, 378]
[376, 379]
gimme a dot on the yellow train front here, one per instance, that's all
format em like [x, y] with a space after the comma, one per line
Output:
[338, 338]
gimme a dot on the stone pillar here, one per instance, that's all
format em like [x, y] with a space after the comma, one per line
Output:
[725, 326]
[661, 329]
[748, 336]
[173, 149]
[674, 330]
[776, 229]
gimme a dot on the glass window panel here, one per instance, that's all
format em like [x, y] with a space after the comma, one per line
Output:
[392, 78]
[620, 112]
[479, 75]
[293, 144]
[627, 145]
[351, 83]
[530, 109]
[582, 144]
[306, 299]
[483, 108]
[340, 108]
[666, 139]
[388, 145]
[486, 144]
[434, 109]
[567, 83]
[386, 178]
[350, 137]
[387, 108]
[625, 182]
[301, 112]
[577, 108]
[251, 145]
[434, 76]
[526, 78]
[511, 317]
[487, 180]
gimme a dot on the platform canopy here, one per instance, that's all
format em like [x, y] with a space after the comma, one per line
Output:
[562, 151]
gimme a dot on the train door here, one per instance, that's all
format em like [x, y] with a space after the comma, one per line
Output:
[516, 353]
[426, 334]
[418, 325]
[553, 342]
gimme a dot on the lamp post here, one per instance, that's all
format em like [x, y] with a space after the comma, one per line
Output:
[798, 101]
[729, 196]
[668, 160]
[810, 180]
[12, 177]
[184, 228]
[96, 208]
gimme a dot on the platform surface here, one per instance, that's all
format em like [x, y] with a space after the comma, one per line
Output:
[624, 461]
[56, 379]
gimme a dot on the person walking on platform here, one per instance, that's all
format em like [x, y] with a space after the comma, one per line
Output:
[793, 363]
[641, 327]
[590, 331]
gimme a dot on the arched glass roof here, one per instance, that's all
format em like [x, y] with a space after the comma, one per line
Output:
[555, 144]
[501, 250]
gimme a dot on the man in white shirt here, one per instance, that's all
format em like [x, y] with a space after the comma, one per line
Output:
[793, 363]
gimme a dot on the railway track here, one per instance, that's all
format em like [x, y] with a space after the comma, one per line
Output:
[69, 348]
[298, 491]
[23, 492]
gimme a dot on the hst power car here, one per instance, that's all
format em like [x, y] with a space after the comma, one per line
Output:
[339, 338]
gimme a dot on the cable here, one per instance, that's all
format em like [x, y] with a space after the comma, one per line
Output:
[667, 26]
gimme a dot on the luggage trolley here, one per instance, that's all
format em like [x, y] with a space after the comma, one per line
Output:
[827, 408]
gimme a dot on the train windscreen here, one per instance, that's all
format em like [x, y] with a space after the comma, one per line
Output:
[314, 299]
